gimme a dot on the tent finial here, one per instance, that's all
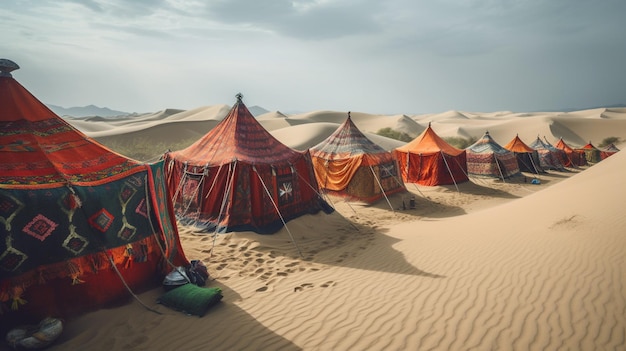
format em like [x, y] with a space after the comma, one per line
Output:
[239, 96]
[6, 66]
[348, 114]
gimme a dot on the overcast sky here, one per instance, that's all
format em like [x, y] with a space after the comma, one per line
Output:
[375, 56]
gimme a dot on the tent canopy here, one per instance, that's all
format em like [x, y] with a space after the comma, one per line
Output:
[527, 157]
[349, 164]
[549, 156]
[239, 177]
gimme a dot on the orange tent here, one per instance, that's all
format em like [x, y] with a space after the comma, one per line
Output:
[527, 157]
[592, 154]
[350, 165]
[574, 158]
[430, 160]
[74, 215]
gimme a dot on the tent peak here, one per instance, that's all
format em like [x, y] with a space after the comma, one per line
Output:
[239, 96]
[6, 66]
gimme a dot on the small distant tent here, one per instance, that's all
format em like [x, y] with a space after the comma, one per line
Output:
[527, 157]
[608, 151]
[488, 158]
[548, 158]
[350, 165]
[592, 153]
[574, 158]
[79, 223]
[430, 160]
[238, 177]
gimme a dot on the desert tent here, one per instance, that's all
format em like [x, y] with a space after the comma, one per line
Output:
[488, 158]
[350, 165]
[77, 220]
[608, 151]
[430, 160]
[592, 154]
[238, 177]
[527, 158]
[574, 158]
[548, 157]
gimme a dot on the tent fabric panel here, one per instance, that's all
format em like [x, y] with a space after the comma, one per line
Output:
[336, 175]
[431, 170]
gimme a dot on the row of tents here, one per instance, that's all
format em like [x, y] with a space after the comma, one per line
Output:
[83, 223]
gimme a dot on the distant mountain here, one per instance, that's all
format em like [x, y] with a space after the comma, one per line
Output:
[86, 111]
[257, 110]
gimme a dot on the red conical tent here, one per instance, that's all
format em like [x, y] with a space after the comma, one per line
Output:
[349, 164]
[239, 177]
[574, 158]
[527, 157]
[608, 151]
[73, 213]
[430, 160]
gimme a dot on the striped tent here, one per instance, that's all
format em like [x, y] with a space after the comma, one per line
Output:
[548, 155]
[573, 158]
[350, 165]
[488, 158]
[608, 151]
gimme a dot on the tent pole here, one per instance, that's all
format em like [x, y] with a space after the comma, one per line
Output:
[277, 211]
[499, 169]
[231, 170]
[449, 171]
[381, 188]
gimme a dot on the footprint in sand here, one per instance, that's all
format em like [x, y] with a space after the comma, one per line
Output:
[328, 283]
[263, 288]
[302, 287]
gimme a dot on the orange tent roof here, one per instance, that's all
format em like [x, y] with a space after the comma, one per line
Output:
[517, 145]
[429, 143]
[563, 146]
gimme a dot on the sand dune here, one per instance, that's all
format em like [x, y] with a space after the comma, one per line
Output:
[492, 266]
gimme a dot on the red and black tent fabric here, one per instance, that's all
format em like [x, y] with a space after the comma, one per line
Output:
[350, 165]
[489, 159]
[574, 158]
[430, 160]
[592, 153]
[73, 213]
[238, 177]
[527, 157]
[608, 151]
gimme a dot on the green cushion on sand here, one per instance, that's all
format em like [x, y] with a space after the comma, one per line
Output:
[191, 299]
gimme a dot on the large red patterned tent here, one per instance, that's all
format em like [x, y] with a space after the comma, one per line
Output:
[238, 177]
[350, 165]
[74, 215]
[430, 160]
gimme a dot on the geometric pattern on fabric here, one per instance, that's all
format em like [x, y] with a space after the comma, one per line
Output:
[9, 208]
[40, 227]
[11, 259]
[387, 170]
[127, 232]
[142, 208]
[101, 220]
[285, 189]
[74, 242]
[126, 194]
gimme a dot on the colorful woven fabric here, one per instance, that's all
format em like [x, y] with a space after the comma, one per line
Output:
[69, 208]
[236, 177]
[527, 157]
[549, 156]
[487, 158]
[350, 165]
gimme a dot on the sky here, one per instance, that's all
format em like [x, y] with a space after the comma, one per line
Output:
[373, 56]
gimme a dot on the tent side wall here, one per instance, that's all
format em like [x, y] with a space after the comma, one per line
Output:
[432, 169]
